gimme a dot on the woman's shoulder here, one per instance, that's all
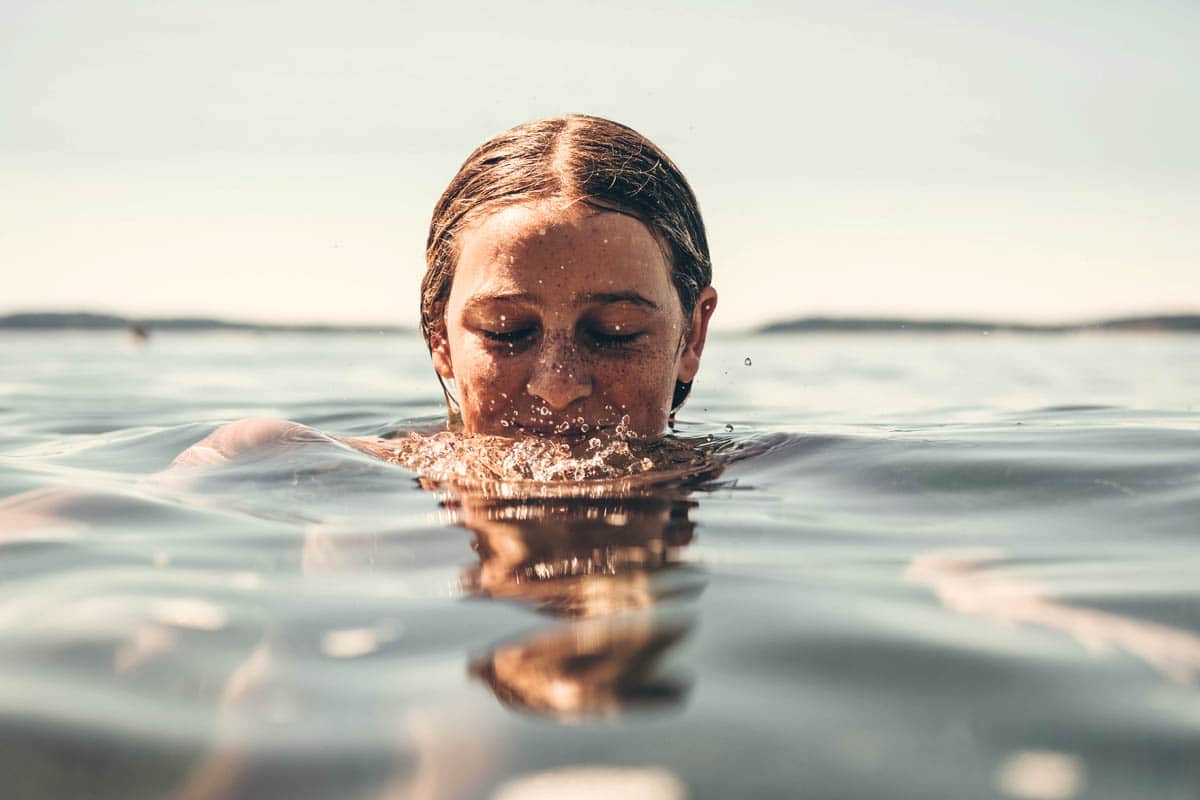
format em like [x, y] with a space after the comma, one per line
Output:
[247, 438]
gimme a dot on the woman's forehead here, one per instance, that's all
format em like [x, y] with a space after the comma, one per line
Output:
[573, 250]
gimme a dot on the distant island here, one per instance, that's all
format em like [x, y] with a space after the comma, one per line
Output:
[32, 321]
[1169, 322]
[50, 321]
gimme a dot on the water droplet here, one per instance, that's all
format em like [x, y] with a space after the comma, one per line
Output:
[747, 362]
[729, 429]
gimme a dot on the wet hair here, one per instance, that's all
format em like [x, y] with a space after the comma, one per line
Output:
[578, 159]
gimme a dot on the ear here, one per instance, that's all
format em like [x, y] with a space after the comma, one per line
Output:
[693, 346]
[441, 355]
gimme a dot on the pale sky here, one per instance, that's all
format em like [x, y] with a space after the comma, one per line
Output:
[278, 161]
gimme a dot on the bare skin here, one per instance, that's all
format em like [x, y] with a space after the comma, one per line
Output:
[560, 321]
[963, 584]
[564, 318]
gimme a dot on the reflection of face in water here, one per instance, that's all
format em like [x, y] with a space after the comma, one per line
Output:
[614, 567]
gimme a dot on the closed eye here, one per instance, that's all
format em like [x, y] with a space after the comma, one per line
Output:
[507, 336]
[604, 340]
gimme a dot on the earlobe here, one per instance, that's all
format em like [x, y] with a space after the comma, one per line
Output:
[441, 358]
[689, 361]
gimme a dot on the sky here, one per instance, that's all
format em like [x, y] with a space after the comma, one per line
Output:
[279, 161]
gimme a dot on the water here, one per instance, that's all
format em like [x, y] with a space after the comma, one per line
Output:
[956, 566]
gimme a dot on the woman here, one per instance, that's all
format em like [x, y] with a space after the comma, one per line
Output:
[567, 292]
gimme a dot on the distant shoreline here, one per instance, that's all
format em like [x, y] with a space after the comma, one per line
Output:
[60, 321]
[82, 320]
[1142, 324]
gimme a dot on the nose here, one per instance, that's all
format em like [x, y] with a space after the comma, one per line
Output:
[560, 376]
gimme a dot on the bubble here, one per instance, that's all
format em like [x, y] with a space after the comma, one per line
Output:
[584, 428]
[747, 362]
[729, 429]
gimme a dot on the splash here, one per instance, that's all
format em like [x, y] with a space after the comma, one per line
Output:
[609, 462]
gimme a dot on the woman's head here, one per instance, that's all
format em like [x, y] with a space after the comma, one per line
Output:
[568, 281]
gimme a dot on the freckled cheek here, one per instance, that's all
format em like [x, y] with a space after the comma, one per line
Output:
[642, 382]
[492, 381]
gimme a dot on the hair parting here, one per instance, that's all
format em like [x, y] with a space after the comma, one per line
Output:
[574, 158]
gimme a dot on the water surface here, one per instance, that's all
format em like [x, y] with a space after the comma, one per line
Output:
[950, 566]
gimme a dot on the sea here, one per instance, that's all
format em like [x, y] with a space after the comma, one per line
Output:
[914, 565]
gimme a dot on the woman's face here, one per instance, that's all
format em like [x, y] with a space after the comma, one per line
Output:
[564, 321]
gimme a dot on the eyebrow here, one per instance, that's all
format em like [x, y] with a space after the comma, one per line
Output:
[620, 297]
[499, 297]
[587, 299]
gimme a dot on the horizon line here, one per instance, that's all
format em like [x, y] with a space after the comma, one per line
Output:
[813, 323]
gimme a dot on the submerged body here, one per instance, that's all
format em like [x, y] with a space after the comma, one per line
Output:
[610, 454]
